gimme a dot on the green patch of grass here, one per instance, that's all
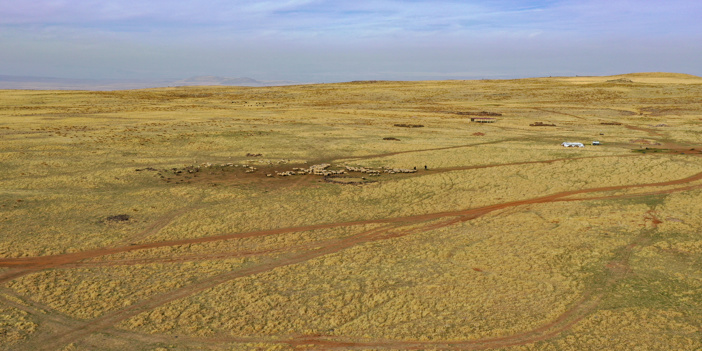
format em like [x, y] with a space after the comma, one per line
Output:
[651, 201]
[653, 290]
[671, 235]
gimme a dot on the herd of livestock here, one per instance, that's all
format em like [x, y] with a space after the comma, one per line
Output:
[322, 170]
[317, 169]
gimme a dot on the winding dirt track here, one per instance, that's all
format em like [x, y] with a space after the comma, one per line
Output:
[393, 228]
[390, 228]
[425, 150]
[67, 330]
[558, 112]
[44, 262]
[159, 224]
[649, 131]
[33, 264]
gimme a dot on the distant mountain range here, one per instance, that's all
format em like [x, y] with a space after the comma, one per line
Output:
[50, 83]
[244, 81]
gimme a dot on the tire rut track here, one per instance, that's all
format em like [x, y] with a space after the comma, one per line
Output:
[558, 113]
[547, 331]
[44, 262]
[112, 318]
[349, 159]
[32, 264]
[562, 323]
[159, 224]
[617, 270]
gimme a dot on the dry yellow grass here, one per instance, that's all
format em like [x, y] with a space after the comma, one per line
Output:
[15, 325]
[507, 240]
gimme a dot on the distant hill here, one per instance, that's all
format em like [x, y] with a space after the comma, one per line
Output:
[51, 83]
[244, 81]
[644, 77]
[659, 75]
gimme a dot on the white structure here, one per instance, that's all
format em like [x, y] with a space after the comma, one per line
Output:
[595, 143]
[568, 144]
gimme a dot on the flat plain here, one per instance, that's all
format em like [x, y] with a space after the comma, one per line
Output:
[191, 218]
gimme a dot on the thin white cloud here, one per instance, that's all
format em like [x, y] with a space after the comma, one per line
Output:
[344, 19]
[325, 38]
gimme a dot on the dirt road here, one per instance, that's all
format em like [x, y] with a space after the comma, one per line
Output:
[389, 228]
[393, 227]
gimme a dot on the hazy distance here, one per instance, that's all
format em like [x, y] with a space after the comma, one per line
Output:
[330, 41]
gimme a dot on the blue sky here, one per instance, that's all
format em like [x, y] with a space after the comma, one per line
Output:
[326, 41]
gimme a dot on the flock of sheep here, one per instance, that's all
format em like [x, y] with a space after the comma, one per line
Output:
[249, 169]
[318, 169]
[322, 169]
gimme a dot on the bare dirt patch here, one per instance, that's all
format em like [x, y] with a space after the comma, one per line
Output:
[405, 125]
[481, 113]
[118, 218]
[541, 124]
[348, 180]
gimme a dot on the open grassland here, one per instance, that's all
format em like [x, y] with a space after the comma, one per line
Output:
[160, 219]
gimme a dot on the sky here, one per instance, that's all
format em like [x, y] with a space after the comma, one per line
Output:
[332, 41]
